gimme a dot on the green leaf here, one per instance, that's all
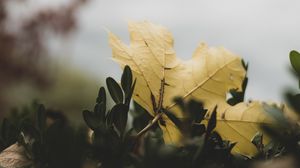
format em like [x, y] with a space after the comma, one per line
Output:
[244, 85]
[140, 117]
[114, 90]
[100, 110]
[257, 140]
[212, 121]
[245, 65]
[90, 119]
[101, 96]
[109, 118]
[197, 129]
[120, 115]
[128, 98]
[294, 101]
[173, 118]
[237, 96]
[180, 103]
[276, 114]
[295, 61]
[126, 80]
[196, 110]
[138, 110]
[41, 118]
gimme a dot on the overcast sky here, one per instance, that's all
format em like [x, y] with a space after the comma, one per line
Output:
[260, 31]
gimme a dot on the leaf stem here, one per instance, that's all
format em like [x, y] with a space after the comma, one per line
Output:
[150, 124]
[158, 110]
[161, 94]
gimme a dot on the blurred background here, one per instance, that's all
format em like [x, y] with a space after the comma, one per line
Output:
[57, 51]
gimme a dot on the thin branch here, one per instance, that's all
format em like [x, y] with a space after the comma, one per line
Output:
[158, 109]
[161, 94]
[150, 125]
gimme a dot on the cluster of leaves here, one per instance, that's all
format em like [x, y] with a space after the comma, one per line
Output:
[110, 141]
[50, 140]
[268, 151]
[204, 147]
[286, 133]
[46, 136]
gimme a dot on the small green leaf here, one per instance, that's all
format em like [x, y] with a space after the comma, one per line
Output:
[90, 119]
[128, 98]
[140, 117]
[173, 118]
[138, 109]
[114, 90]
[120, 115]
[109, 118]
[257, 140]
[179, 102]
[99, 138]
[126, 80]
[196, 110]
[244, 85]
[212, 121]
[197, 129]
[294, 101]
[101, 96]
[277, 114]
[295, 61]
[237, 96]
[100, 110]
[245, 65]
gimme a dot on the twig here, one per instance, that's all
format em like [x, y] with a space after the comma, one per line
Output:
[158, 109]
[150, 125]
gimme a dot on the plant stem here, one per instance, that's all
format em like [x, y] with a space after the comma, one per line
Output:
[150, 125]
[158, 109]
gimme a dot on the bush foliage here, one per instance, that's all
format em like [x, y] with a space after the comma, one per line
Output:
[112, 139]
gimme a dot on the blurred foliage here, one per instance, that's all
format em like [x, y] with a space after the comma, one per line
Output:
[27, 69]
[71, 91]
[47, 136]
[24, 52]
[110, 140]
[50, 141]
[284, 149]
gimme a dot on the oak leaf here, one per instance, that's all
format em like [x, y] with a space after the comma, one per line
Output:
[207, 76]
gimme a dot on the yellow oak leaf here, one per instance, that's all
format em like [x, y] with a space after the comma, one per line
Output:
[207, 76]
